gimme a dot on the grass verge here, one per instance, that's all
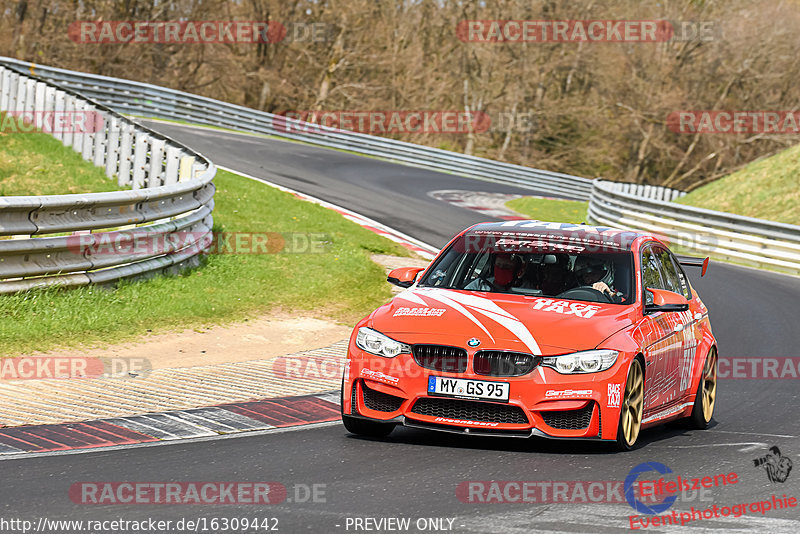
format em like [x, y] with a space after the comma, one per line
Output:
[766, 189]
[550, 209]
[341, 283]
[39, 164]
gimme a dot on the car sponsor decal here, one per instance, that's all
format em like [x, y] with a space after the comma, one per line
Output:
[464, 422]
[614, 395]
[445, 300]
[584, 311]
[377, 375]
[404, 311]
[567, 393]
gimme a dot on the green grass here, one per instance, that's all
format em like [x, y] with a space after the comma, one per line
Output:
[767, 189]
[551, 210]
[342, 283]
[38, 164]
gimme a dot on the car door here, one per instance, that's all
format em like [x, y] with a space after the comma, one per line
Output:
[664, 346]
[690, 326]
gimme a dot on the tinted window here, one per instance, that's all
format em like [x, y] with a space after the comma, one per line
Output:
[540, 268]
[669, 272]
[651, 271]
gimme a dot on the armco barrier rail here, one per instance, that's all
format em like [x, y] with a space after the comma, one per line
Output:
[721, 235]
[171, 188]
[152, 101]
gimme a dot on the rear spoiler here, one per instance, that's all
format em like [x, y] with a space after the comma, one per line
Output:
[688, 261]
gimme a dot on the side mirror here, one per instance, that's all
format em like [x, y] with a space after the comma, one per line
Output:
[665, 301]
[404, 276]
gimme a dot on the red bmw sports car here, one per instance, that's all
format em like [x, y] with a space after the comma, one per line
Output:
[529, 328]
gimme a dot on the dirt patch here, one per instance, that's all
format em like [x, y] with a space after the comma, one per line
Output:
[256, 339]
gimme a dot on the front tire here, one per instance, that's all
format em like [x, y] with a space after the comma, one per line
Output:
[630, 415]
[362, 427]
[706, 396]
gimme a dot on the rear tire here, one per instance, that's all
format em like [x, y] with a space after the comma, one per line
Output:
[630, 415]
[362, 427]
[706, 396]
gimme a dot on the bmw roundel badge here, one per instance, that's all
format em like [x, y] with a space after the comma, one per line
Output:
[474, 342]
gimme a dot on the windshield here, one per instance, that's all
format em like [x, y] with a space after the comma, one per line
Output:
[535, 267]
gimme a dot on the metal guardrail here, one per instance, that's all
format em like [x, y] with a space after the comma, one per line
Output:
[171, 188]
[721, 235]
[152, 101]
[642, 207]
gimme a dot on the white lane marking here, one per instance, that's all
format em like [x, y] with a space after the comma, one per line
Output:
[753, 434]
[748, 445]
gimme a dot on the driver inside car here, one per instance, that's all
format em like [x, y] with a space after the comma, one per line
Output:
[590, 272]
[507, 273]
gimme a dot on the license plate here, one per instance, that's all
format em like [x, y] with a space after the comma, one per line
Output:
[474, 389]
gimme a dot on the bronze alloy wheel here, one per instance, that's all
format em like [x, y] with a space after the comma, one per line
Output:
[630, 417]
[709, 390]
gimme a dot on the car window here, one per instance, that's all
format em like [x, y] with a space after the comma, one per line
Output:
[651, 272]
[668, 271]
[541, 269]
[686, 289]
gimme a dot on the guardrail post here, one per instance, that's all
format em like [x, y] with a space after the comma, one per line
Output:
[74, 107]
[19, 101]
[156, 177]
[139, 159]
[98, 122]
[187, 162]
[88, 134]
[30, 96]
[62, 105]
[112, 148]
[173, 165]
[125, 156]
[12, 91]
[39, 104]
[5, 75]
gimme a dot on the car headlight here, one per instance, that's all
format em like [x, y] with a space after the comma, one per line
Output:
[589, 361]
[374, 342]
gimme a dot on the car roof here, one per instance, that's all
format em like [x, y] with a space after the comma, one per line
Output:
[577, 233]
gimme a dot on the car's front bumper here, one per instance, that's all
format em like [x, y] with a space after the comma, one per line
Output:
[541, 403]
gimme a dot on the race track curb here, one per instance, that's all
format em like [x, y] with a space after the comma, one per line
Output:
[174, 425]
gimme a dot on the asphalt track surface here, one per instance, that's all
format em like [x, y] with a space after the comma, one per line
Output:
[414, 474]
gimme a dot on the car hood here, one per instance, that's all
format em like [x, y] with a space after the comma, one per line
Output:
[537, 325]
